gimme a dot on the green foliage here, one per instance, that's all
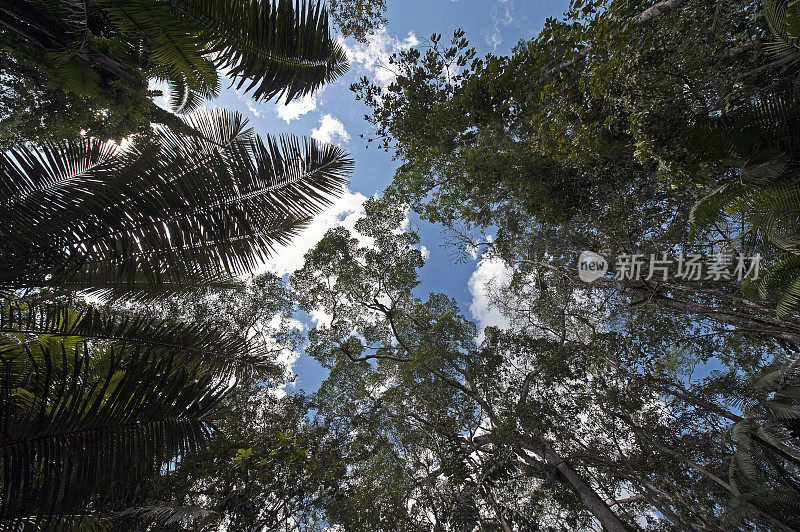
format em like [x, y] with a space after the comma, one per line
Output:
[765, 468]
[555, 152]
[408, 384]
[266, 466]
[609, 131]
[198, 347]
[97, 58]
[273, 49]
[34, 107]
[96, 401]
[358, 18]
[760, 203]
[783, 18]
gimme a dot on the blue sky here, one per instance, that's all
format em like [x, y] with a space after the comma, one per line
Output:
[333, 115]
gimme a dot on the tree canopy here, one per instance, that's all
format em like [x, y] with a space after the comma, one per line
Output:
[626, 401]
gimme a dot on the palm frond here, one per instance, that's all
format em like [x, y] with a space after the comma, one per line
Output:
[762, 200]
[772, 211]
[143, 517]
[782, 20]
[165, 118]
[713, 207]
[77, 415]
[54, 173]
[169, 209]
[199, 348]
[779, 278]
[270, 48]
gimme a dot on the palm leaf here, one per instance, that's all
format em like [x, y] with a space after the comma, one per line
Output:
[135, 518]
[165, 212]
[778, 278]
[762, 202]
[772, 211]
[272, 49]
[275, 49]
[784, 44]
[76, 416]
[199, 348]
[141, 518]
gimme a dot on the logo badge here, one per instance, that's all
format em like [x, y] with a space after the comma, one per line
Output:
[591, 266]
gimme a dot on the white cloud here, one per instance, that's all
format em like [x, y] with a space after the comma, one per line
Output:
[163, 100]
[251, 105]
[321, 318]
[372, 57]
[494, 38]
[286, 358]
[329, 127]
[503, 15]
[343, 212]
[488, 278]
[296, 108]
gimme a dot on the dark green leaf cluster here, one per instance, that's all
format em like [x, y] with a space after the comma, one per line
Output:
[172, 212]
[97, 57]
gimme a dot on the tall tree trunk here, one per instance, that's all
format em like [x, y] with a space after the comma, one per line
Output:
[740, 320]
[588, 496]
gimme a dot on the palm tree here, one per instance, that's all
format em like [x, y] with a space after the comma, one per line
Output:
[90, 404]
[91, 396]
[91, 401]
[170, 213]
[759, 197]
[271, 48]
[764, 470]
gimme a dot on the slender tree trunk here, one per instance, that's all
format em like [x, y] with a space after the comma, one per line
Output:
[588, 496]
[749, 322]
[657, 10]
[703, 471]
[652, 493]
[500, 519]
[757, 318]
[593, 502]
